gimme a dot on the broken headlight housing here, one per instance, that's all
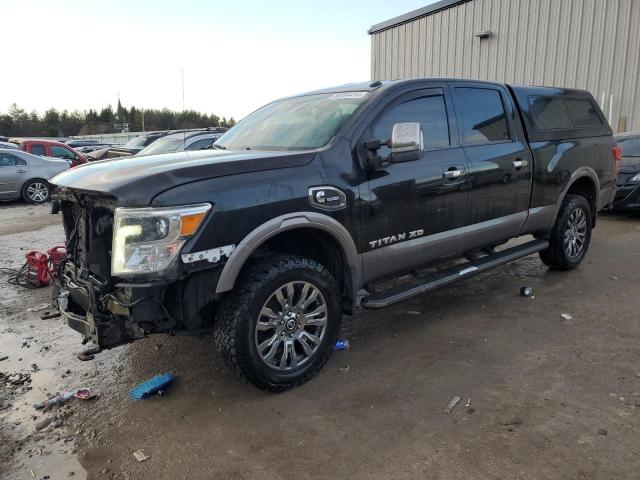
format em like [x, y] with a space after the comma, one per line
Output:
[147, 240]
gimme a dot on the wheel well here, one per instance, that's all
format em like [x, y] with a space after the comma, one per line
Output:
[586, 187]
[317, 245]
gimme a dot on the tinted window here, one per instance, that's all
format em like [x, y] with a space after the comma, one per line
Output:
[430, 112]
[550, 113]
[583, 112]
[481, 114]
[630, 146]
[8, 160]
[61, 152]
[38, 149]
[200, 144]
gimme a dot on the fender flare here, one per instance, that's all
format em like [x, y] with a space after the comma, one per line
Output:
[579, 173]
[283, 223]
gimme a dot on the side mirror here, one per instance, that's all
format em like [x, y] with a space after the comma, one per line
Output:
[406, 142]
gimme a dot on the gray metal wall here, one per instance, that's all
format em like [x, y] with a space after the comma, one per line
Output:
[587, 44]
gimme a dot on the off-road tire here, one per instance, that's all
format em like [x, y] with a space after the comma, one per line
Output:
[24, 193]
[555, 256]
[238, 313]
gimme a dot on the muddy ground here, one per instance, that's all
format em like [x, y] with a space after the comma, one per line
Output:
[549, 397]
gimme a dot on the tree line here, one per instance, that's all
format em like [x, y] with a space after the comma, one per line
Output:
[19, 123]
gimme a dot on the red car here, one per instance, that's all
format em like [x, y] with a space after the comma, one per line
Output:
[51, 148]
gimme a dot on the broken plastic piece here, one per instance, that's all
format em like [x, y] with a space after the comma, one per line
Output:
[454, 401]
[151, 386]
[566, 316]
[342, 345]
[140, 455]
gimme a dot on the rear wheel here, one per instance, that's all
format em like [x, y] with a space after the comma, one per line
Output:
[570, 236]
[35, 190]
[278, 328]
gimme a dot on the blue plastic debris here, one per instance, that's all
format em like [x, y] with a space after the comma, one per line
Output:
[342, 345]
[152, 386]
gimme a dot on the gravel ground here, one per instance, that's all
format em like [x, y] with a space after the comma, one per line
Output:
[549, 397]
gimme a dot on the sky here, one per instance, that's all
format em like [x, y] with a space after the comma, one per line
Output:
[236, 55]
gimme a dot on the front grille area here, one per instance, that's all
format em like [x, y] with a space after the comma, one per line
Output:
[88, 223]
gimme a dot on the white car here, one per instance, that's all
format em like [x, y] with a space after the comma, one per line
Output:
[26, 176]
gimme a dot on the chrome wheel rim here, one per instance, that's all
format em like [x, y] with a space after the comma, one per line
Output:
[291, 326]
[576, 233]
[37, 192]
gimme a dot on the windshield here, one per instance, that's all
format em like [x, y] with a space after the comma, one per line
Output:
[136, 142]
[163, 145]
[630, 146]
[299, 123]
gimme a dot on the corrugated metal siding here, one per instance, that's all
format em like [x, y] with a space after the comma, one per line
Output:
[587, 44]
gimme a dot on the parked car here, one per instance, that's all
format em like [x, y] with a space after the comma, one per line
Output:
[50, 148]
[628, 193]
[132, 147]
[268, 239]
[92, 148]
[178, 142]
[23, 175]
[8, 145]
[81, 142]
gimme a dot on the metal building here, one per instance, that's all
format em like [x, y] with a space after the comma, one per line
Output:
[586, 44]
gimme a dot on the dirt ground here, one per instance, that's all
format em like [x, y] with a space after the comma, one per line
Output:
[548, 397]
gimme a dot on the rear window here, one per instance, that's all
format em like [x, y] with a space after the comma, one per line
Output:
[564, 113]
[630, 146]
[38, 150]
[583, 112]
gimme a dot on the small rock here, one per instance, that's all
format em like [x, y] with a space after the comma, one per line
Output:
[602, 431]
[345, 368]
[43, 423]
[513, 421]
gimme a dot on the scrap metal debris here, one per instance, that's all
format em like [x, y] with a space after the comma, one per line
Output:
[566, 316]
[452, 404]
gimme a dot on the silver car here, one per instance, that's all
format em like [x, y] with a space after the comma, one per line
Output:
[25, 176]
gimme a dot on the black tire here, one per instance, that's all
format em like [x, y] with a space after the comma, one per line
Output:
[236, 330]
[36, 190]
[557, 256]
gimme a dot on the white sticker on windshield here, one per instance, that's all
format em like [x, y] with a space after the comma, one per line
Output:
[341, 95]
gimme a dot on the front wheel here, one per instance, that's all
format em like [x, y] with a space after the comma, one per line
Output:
[570, 237]
[278, 328]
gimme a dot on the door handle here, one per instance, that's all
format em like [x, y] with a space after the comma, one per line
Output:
[453, 173]
[518, 164]
[21, 171]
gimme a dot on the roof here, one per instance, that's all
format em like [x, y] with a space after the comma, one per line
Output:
[421, 12]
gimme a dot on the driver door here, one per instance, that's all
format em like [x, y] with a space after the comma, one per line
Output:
[414, 212]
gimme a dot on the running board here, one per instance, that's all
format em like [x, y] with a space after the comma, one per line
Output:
[446, 277]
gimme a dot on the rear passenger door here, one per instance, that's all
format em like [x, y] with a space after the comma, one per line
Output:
[13, 172]
[500, 162]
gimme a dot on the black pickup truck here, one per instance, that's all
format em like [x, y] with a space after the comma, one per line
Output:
[312, 202]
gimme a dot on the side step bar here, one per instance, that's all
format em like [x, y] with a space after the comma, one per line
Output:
[397, 294]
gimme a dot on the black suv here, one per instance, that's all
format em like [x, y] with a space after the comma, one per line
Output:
[268, 239]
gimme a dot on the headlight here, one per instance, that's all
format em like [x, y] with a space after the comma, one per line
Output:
[634, 179]
[149, 239]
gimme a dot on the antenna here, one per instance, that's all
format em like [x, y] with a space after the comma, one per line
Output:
[184, 134]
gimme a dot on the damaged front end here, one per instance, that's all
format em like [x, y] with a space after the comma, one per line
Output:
[122, 279]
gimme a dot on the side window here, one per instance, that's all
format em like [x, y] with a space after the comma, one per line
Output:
[430, 112]
[200, 144]
[583, 112]
[38, 149]
[481, 114]
[8, 160]
[550, 113]
[61, 153]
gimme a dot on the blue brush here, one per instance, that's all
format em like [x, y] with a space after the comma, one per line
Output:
[151, 386]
